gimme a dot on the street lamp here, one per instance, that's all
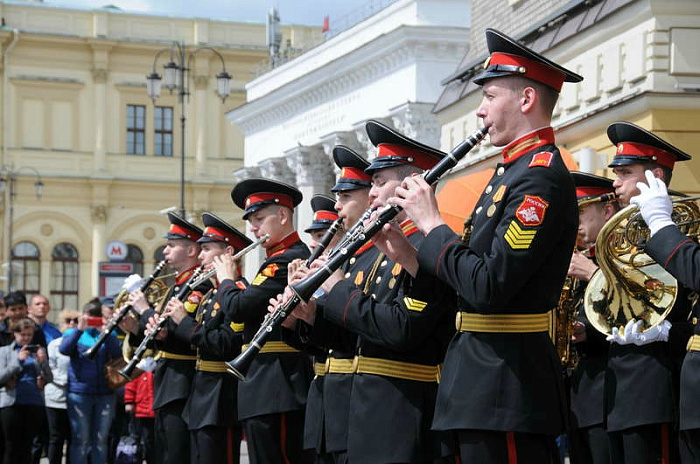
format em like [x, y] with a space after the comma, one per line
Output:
[8, 176]
[175, 77]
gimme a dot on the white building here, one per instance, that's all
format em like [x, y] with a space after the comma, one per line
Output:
[387, 67]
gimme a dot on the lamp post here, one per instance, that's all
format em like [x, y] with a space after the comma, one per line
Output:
[8, 176]
[175, 77]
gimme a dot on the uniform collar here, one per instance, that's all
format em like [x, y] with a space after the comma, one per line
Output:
[364, 248]
[527, 143]
[282, 245]
[183, 276]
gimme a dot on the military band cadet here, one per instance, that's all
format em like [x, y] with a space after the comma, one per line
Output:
[641, 386]
[330, 435]
[211, 411]
[588, 438]
[501, 387]
[400, 341]
[271, 402]
[680, 255]
[176, 366]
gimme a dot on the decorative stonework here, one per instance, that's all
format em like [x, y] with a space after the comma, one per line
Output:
[311, 166]
[98, 214]
[416, 121]
[246, 173]
[277, 169]
[46, 230]
[100, 75]
[149, 233]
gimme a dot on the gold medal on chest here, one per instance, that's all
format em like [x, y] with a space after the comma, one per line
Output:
[491, 211]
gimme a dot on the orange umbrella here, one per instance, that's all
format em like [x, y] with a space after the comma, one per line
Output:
[457, 197]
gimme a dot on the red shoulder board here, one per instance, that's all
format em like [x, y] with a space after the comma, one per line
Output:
[240, 284]
[542, 159]
[270, 270]
[531, 211]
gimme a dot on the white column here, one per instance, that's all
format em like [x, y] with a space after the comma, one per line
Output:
[98, 213]
[202, 123]
[99, 109]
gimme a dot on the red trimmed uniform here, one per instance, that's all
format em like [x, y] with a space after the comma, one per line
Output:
[271, 401]
[503, 390]
[172, 378]
[680, 256]
[211, 409]
[399, 340]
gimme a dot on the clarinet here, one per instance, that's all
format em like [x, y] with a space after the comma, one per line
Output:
[187, 288]
[91, 352]
[325, 240]
[303, 290]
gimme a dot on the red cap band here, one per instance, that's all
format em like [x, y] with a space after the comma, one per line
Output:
[414, 157]
[592, 191]
[654, 154]
[190, 234]
[353, 173]
[282, 200]
[533, 70]
[325, 216]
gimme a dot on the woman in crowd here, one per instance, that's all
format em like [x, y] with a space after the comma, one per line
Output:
[90, 401]
[55, 392]
[24, 370]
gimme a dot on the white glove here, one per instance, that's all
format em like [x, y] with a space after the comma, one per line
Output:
[131, 283]
[632, 334]
[654, 203]
[147, 365]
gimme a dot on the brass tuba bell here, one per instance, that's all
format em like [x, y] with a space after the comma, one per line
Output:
[630, 284]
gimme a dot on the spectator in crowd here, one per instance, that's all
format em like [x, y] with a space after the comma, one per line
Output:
[2, 306]
[16, 309]
[90, 401]
[55, 392]
[24, 370]
[138, 399]
[39, 308]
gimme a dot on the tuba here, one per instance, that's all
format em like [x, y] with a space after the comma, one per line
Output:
[630, 284]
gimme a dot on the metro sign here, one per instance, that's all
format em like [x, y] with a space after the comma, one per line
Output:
[116, 250]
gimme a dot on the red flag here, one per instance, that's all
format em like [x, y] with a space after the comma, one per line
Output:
[326, 24]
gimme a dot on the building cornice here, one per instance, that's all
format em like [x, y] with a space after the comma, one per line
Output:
[402, 46]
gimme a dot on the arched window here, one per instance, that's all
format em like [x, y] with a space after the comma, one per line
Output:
[158, 255]
[26, 268]
[134, 255]
[64, 276]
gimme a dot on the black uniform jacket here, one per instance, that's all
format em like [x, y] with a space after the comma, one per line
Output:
[390, 417]
[524, 230]
[680, 256]
[172, 377]
[328, 402]
[213, 396]
[588, 377]
[276, 382]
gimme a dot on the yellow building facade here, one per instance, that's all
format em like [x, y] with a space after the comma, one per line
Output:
[75, 111]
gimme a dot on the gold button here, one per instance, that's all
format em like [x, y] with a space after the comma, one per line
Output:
[383, 263]
[488, 189]
[352, 260]
[347, 275]
[458, 321]
[379, 279]
[500, 171]
[478, 210]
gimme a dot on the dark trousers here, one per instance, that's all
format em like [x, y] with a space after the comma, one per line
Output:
[277, 439]
[172, 436]
[590, 445]
[146, 434]
[490, 447]
[647, 444]
[59, 433]
[40, 442]
[690, 446]
[19, 425]
[215, 445]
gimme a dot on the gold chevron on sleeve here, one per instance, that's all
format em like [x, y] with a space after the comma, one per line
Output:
[413, 304]
[236, 327]
[259, 279]
[517, 238]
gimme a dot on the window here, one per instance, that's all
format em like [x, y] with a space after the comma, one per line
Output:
[158, 255]
[135, 129]
[134, 255]
[163, 131]
[25, 268]
[64, 276]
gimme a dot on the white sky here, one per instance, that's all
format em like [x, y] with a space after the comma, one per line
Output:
[307, 12]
